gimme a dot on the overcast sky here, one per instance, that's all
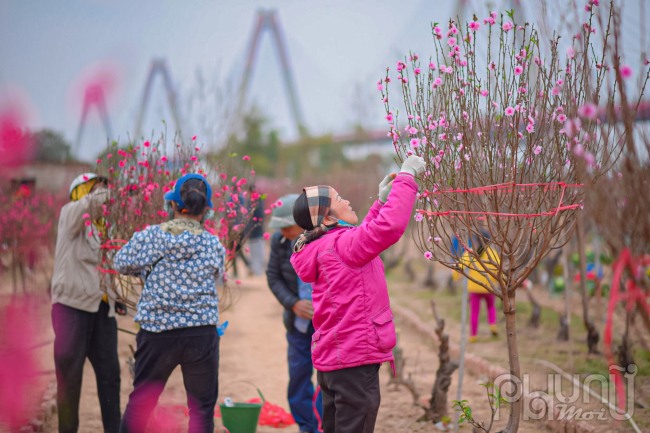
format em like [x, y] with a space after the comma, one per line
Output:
[47, 47]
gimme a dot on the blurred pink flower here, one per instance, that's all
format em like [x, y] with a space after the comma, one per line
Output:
[266, 236]
[451, 42]
[510, 111]
[570, 52]
[474, 25]
[537, 150]
[578, 150]
[412, 130]
[626, 71]
[389, 117]
[428, 255]
[507, 26]
[588, 110]
[415, 142]
[484, 92]
[555, 91]
[561, 118]
[417, 71]
[246, 158]
[194, 138]
[518, 70]
[146, 144]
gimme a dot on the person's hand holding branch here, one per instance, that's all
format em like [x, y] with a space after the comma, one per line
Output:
[414, 165]
[385, 186]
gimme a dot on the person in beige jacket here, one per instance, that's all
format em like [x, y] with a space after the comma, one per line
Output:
[82, 314]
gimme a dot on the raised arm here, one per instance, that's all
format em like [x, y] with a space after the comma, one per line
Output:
[359, 246]
[374, 211]
[384, 189]
[72, 218]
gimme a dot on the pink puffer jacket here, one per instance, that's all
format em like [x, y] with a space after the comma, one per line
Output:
[352, 316]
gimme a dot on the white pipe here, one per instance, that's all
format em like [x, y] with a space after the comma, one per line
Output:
[463, 343]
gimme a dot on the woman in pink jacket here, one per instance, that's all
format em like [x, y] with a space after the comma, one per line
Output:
[352, 317]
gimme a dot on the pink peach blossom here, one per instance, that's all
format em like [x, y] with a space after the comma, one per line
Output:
[626, 72]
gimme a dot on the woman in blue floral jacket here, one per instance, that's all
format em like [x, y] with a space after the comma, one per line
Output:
[178, 311]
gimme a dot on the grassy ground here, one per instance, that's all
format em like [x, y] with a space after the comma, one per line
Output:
[540, 343]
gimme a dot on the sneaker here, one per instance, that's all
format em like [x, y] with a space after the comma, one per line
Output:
[472, 338]
[493, 328]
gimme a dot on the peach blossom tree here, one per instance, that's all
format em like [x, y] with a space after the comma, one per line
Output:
[139, 175]
[502, 133]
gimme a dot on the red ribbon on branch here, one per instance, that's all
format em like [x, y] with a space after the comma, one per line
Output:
[505, 187]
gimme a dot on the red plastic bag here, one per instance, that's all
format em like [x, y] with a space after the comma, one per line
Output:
[273, 415]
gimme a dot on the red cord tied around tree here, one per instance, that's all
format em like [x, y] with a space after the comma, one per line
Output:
[108, 246]
[633, 295]
[273, 415]
[504, 188]
[313, 405]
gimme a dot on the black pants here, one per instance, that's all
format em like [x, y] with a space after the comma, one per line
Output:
[350, 399]
[80, 335]
[196, 350]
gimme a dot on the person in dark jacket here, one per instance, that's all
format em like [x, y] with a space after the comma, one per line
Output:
[298, 312]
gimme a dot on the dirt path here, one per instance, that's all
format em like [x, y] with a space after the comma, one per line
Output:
[254, 349]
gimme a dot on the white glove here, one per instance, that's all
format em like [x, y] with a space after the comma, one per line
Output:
[414, 165]
[385, 186]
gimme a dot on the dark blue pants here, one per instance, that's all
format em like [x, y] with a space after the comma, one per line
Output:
[301, 388]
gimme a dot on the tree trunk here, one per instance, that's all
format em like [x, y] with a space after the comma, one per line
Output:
[625, 348]
[565, 321]
[537, 310]
[398, 379]
[430, 281]
[451, 285]
[592, 332]
[438, 402]
[410, 273]
[509, 309]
